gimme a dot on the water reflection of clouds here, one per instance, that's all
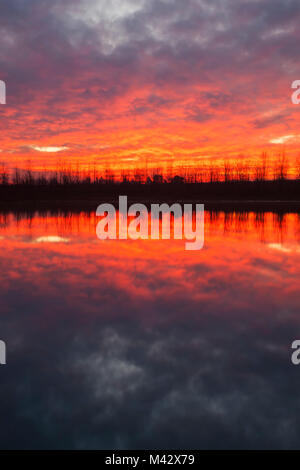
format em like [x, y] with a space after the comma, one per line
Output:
[51, 239]
[284, 248]
[214, 384]
[143, 345]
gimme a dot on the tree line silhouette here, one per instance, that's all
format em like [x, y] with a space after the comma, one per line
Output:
[238, 179]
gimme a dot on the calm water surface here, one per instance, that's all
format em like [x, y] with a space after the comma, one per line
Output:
[141, 344]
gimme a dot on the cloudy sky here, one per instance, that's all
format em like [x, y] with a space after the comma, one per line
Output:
[162, 82]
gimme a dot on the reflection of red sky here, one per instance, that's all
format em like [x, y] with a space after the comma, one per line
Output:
[252, 265]
[267, 227]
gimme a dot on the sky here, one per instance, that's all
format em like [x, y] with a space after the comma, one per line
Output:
[135, 83]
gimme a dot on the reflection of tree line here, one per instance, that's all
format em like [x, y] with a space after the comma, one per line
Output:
[60, 222]
[268, 226]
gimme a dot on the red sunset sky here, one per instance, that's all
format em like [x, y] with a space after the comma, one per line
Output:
[127, 83]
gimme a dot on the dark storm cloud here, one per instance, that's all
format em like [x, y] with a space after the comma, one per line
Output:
[115, 45]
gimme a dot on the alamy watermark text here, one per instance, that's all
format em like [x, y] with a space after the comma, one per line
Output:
[136, 222]
[2, 92]
[2, 352]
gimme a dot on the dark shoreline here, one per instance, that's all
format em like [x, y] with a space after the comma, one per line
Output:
[276, 195]
[90, 205]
